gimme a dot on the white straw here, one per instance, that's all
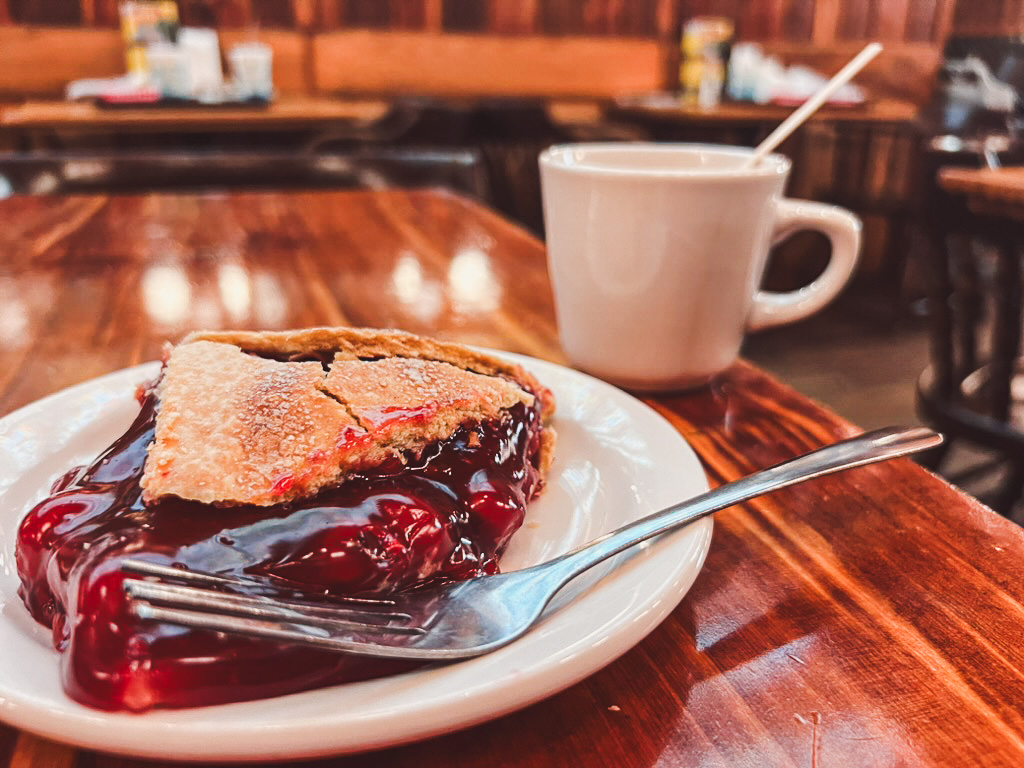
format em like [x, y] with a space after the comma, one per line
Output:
[791, 123]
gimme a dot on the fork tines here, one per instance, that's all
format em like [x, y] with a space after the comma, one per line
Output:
[200, 600]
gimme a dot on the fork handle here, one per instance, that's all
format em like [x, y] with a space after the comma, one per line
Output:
[868, 448]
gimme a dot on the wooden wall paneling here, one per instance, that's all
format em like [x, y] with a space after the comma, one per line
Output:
[433, 15]
[690, 8]
[666, 19]
[331, 13]
[1010, 18]
[407, 14]
[763, 20]
[291, 55]
[595, 17]
[272, 13]
[637, 18]
[732, 9]
[889, 20]
[928, 21]
[107, 13]
[826, 21]
[798, 20]
[367, 13]
[29, 66]
[560, 17]
[48, 12]
[363, 61]
[942, 24]
[990, 15]
[464, 15]
[305, 13]
[987, 18]
[668, 22]
[513, 18]
[853, 20]
[206, 13]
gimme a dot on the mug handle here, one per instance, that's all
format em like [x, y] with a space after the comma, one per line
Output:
[842, 229]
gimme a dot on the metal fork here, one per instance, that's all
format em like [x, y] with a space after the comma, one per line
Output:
[473, 617]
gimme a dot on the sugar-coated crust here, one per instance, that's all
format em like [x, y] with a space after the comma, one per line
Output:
[369, 371]
[367, 343]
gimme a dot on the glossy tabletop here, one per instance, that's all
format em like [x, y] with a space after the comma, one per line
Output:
[668, 108]
[988, 190]
[286, 112]
[872, 618]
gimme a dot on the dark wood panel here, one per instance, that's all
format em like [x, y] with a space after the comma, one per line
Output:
[207, 13]
[560, 17]
[273, 13]
[49, 12]
[408, 14]
[464, 15]
[888, 19]
[367, 13]
[789, 20]
[763, 20]
[330, 13]
[853, 20]
[988, 18]
[798, 20]
[513, 18]
[106, 13]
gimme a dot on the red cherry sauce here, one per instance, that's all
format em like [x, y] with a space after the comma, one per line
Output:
[444, 515]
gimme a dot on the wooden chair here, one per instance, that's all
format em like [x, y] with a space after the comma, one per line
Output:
[972, 388]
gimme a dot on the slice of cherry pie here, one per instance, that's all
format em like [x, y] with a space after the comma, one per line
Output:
[338, 461]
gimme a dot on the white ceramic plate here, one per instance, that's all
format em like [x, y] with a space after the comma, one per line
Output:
[617, 460]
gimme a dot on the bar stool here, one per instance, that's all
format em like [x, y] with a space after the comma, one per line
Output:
[973, 388]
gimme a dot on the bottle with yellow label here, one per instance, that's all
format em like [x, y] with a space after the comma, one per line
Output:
[142, 24]
[703, 48]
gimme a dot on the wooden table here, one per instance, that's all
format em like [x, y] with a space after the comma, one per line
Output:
[669, 108]
[52, 122]
[47, 122]
[286, 112]
[992, 191]
[872, 618]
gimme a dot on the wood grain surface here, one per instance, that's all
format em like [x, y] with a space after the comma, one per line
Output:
[872, 618]
[827, 20]
[288, 112]
[999, 191]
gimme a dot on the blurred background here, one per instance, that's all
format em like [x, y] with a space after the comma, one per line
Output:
[101, 96]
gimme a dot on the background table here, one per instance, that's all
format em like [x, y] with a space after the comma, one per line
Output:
[870, 618]
[668, 108]
[50, 118]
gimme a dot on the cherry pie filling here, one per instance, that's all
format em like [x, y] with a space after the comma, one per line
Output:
[444, 515]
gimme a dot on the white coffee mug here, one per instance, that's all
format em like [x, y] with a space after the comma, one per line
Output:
[657, 251]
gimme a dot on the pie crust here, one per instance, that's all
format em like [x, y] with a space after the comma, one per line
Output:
[270, 417]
